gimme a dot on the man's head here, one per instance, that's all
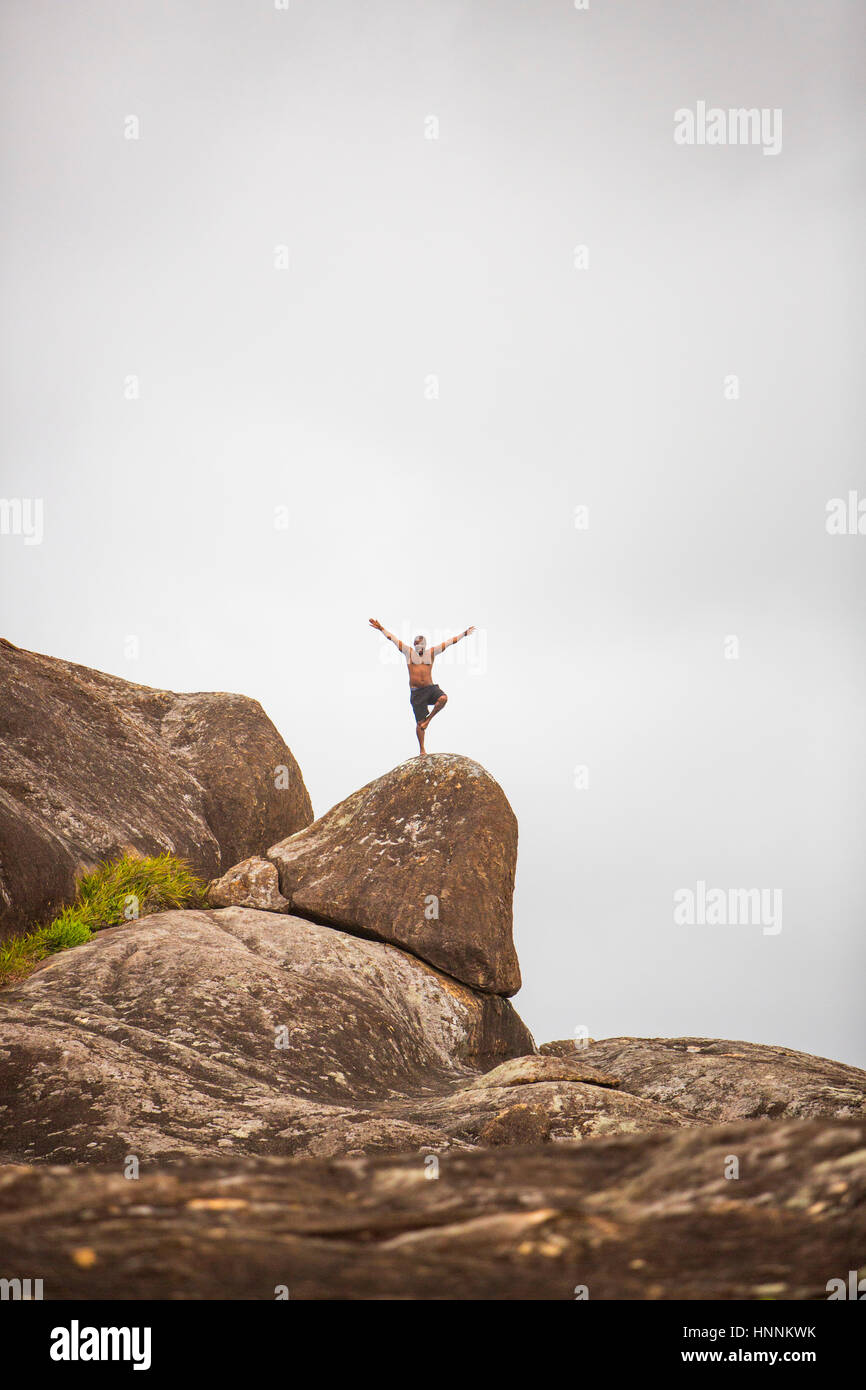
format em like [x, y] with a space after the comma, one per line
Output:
[420, 644]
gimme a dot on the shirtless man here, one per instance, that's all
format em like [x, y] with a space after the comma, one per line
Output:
[422, 691]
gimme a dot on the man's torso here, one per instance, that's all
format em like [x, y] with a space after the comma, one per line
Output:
[420, 670]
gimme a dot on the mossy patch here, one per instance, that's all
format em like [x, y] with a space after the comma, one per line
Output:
[118, 891]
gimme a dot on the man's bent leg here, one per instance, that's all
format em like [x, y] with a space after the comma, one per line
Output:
[440, 704]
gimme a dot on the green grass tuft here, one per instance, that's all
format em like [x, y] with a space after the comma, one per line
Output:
[118, 891]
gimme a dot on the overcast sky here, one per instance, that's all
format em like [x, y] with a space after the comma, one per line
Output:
[245, 451]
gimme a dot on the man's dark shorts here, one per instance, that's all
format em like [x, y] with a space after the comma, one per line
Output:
[422, 697]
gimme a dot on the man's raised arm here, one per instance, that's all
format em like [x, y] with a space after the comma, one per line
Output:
[374, 622]
[434, 651]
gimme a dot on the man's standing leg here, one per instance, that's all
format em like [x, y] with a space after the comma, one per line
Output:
[419, 709]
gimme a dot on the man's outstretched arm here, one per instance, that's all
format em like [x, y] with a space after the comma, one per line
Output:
[434, 651]
[374, 622]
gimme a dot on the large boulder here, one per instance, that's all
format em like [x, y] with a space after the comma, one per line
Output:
[713, 1080]
[647, 1216]
[206, 1032]
[94, 765]
[236, 1031]
[255, 1032]
[423, 857]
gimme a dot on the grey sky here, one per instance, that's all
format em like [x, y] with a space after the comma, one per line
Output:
[309, 388]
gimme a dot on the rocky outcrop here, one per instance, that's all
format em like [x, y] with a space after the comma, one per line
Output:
[563, 1047]
[423, 857]
[253, 787]
[525, 1071]
[649, 1216]
[206, 1031]
[252, 883]
[93, 765]
[711, 1080]
[261, 1033]
[343, 998]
